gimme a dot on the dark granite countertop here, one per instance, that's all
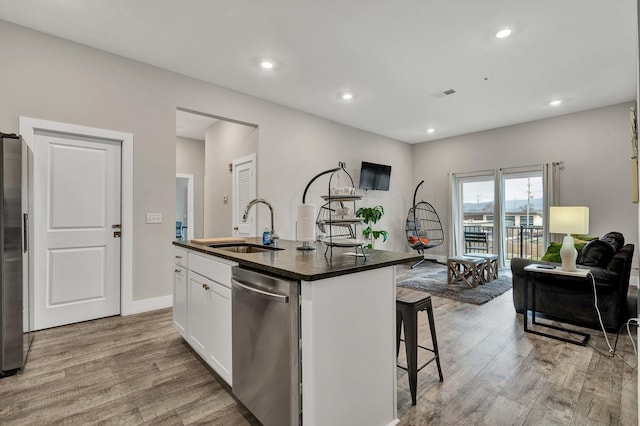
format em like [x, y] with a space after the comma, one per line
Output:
[306, 265]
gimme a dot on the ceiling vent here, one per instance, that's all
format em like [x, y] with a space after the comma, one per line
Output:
[443, 94]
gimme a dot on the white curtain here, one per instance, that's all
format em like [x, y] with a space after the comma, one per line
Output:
[454, 223]
[551, 178]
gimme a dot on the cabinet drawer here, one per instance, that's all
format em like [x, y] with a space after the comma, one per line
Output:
[180, 257]
[214, 269]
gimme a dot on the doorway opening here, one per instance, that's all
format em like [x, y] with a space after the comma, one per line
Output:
[207, 146]
[184, 207]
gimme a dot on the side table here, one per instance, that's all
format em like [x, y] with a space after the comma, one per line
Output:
[530, 273]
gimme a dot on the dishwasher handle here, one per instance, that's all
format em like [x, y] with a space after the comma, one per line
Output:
[260, 293]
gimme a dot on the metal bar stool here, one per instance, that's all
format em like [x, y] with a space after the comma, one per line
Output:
[408, 304]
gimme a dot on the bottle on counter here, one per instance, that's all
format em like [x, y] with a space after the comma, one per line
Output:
[266, 236]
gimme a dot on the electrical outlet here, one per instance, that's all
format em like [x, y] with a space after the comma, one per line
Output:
[154, 217]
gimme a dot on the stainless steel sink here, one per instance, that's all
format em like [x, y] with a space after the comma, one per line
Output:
[244, 248]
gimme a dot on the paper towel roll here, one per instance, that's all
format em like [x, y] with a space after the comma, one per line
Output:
[306, 225]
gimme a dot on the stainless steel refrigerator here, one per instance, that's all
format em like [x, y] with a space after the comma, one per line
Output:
[15, 336]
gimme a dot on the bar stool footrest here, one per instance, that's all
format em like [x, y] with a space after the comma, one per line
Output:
[423, 365]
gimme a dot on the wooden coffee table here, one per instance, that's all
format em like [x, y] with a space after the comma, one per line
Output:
[465, 269]
[490, 267]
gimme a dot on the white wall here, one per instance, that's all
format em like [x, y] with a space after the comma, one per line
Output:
[50, 78]
[594, 145]
[190, 161]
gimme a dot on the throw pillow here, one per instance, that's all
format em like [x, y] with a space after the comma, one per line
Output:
[596, 253]
[415, 240]
[616, 239]
[553, 251]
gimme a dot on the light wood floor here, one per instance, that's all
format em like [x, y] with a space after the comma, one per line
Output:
[137, 370]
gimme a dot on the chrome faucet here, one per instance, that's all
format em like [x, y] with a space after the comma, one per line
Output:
[274, 236]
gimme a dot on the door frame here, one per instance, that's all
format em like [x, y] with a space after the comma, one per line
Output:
[456, 215]
[28, 128]
[514, 173]
[190, 204]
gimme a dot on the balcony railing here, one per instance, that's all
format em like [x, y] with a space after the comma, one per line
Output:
[520, 241]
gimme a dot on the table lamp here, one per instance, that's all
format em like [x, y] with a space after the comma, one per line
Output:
[569, 220]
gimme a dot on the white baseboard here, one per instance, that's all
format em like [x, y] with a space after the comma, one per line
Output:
[146, 305]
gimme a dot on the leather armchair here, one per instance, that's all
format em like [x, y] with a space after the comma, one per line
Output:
[571, 301]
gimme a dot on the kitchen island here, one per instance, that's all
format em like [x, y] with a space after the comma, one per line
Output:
[346, 327]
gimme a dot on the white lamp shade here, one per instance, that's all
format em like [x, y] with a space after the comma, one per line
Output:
[569, 220]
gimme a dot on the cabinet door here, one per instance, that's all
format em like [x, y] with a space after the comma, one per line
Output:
[199, 313]
[180, 300]
[220, 350]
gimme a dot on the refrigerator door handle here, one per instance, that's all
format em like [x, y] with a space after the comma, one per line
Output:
[25, 232]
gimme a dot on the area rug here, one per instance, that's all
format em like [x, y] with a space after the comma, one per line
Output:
[436, 285]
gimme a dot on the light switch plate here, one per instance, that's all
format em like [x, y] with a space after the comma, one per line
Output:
[154, 217]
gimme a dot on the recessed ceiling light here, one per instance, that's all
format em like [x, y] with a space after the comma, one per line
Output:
[346, 96]
[267, 64]
[431, 130]
[555, 102]
[503, 33]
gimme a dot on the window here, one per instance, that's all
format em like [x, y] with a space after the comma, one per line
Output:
[506, 204]
[525, 222]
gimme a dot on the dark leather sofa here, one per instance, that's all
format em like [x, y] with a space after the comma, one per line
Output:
[572, 301]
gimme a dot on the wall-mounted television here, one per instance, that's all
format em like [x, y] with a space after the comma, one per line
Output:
[374, 176]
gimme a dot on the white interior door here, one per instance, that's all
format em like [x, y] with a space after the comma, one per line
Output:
[243, 191]
[77, 217]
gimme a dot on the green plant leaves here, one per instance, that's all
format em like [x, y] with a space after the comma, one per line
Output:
[372, 215]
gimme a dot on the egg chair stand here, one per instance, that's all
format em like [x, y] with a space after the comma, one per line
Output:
[423, 228]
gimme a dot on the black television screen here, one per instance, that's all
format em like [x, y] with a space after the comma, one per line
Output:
[374, 176]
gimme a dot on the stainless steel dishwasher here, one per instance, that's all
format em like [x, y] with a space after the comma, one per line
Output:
[266, 348]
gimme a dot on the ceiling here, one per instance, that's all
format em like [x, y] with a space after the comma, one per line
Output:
[396, 57]
[193, 126]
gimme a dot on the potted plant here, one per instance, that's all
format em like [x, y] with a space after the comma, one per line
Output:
[371, 216]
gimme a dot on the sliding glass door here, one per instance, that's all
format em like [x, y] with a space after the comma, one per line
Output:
[474, 212]
[498, 211]
[522, 212]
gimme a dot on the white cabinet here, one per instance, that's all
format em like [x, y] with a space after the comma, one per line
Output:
[199, 308]
[180, 299]
[220, 353]
[204, 299]
[180, 291]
